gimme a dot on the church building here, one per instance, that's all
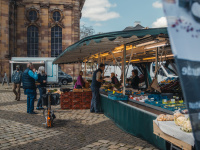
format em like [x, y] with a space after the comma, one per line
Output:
[37, 28]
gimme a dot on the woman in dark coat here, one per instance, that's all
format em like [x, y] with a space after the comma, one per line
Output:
[42, 78]
[135, 80]
[114, 79]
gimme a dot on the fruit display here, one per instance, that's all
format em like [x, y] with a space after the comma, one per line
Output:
[186, 126]
[163, 117]
[180, 120]
[170, 86]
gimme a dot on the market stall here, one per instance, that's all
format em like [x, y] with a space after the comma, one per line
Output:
[133, 111]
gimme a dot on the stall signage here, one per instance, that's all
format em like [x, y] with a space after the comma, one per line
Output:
[183, 18]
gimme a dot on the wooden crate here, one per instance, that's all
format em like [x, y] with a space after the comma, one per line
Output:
[174, 141]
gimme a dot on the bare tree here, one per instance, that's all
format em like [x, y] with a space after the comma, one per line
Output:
[86, 31]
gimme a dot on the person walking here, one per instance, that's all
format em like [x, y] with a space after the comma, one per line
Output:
[42, 78]
[28, 79]
[17, 79]
[97, 79]
[5, 79]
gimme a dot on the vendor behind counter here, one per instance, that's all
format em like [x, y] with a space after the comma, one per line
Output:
[135, 80]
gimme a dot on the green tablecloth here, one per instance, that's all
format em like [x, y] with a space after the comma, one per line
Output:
[133, 120]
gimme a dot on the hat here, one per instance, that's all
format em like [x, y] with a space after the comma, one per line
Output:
[17, 66]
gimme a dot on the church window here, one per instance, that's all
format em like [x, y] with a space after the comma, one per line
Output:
[32, 15]
[32, 41]
[56, 41]
[56, 16]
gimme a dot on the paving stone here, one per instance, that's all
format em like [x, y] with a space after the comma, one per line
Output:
[73, 129]
[97, 143]
[113, 146]
[104, 141]
[138, 147]
[123, 148]
[148, 149]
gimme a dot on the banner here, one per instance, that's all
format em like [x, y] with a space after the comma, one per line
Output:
[183, 18]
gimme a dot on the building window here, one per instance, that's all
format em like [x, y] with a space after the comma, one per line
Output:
[56, 16]
[56, 41]
[32, 41]
[32, 15]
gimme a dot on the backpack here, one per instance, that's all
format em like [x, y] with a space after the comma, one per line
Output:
[17, 76]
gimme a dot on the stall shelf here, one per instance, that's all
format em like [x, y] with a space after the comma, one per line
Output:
[133, 120]
[174, 141]
[153, 107]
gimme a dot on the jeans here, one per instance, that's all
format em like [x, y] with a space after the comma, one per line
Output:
[42, 91]
[95, 103]
[30, 99]
[5, 79]
[16, 90]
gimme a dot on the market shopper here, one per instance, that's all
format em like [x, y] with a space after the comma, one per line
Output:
[135, 80]
[28, 79]
[97, 79]
[17, 79]
[114, 79]
[42, 78]
[80, 82]
[5, 79]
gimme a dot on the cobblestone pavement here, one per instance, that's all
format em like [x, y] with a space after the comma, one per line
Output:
[73, 129]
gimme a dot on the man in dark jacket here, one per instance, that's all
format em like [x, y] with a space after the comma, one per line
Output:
[97, 79]
[29, 77]
[17, 79]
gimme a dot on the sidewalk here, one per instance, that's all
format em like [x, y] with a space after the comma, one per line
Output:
[74, 129]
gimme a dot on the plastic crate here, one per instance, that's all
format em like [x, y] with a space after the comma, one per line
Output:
[76, 100]
[77, 95]
[86, 100]
[76, 106]
[85, 94]
[65, 100]
[85, 106]
[66, 106]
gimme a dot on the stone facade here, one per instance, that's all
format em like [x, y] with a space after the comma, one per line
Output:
[14, 24]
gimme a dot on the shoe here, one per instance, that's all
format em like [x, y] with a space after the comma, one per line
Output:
[33, 113]
[37, 108]
[16, 98]
[41, 108]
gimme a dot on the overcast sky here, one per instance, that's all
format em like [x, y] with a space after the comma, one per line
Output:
[115, 15]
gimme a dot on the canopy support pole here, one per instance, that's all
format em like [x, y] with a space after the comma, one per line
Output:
[85, 69]
[73, 75]
[115, 59]
[156, 67]
[124, 66]
[98, 60]
[129, 61]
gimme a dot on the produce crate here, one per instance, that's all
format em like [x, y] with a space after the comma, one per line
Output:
[76, 106]
[66, 105]
[77, 90]
[67, 94]
[85, 106]
[87, 94]
[87, 100]
[76, 100]
[77, 95]
[63, 101]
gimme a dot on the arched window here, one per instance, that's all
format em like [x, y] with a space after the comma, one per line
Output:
[32, 41]
[56, 16]
[32, 15]
[56, 41]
